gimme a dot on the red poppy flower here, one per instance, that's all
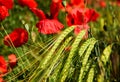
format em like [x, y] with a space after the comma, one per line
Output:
[48, 26]
[74, 4]
[7, 3]
[28, 3]
[12, 60]
[102, 4]
[79, 16]
[3, 65]
[1, 79]
[75, 17]
[3, 12]
[18, 37]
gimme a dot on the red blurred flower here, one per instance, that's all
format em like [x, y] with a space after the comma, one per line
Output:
[81, 16]
[28, 3]
[102, 4]
[48, 26]
[1, 79]
[7, 3]
[18, 37]
[12, 60]
[57, 1]
[3, 68]
[118, 2]
[3, 65]
[3, 12]
[77, 3]
[90, 15]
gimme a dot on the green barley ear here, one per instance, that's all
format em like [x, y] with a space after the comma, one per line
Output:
[85, 46]
[75, 44]
[85, 59]
[106, 54]
[55, 59]
[91, 74]
[46, 60]
[104, 58]
[57, 43]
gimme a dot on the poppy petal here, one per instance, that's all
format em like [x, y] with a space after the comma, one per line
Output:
[39, 13]
[28, 3]
[75, 17]
[90, 15]
[48, 26]
[55, 7]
